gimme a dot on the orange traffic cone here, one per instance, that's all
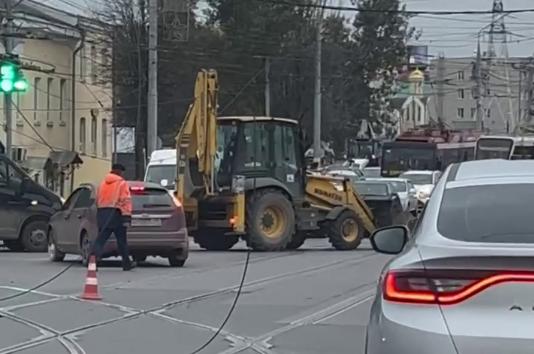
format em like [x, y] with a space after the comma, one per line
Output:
[90, 291]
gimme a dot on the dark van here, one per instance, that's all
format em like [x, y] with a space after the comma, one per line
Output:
[25, 208]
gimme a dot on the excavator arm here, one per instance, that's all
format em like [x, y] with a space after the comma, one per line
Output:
[197, 138]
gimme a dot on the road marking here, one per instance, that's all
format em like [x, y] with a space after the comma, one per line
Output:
[316, 317]
[258, 344]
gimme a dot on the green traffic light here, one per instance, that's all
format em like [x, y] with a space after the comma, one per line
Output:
[8, 71]
[21, 85]
[6, 85]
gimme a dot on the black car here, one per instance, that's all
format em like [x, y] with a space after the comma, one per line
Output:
[383, 202]
[25, 208]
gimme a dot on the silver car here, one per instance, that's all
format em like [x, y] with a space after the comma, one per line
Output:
[463, 283]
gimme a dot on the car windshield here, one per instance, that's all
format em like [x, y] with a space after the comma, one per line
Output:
[164, 175]
[151, 198]
[418, 178]
[488, 213]
[372, 189]
[397, 186]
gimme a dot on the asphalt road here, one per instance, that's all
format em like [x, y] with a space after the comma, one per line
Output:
[313, 300]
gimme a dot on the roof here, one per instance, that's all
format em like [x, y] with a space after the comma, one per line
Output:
[36, 163]
[258, 119]
[386, 179]
[494, 169]
[516, 139]
[163, 156]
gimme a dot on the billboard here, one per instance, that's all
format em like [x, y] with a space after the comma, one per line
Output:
[418, 55]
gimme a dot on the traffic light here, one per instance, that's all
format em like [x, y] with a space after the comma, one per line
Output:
[11, 77]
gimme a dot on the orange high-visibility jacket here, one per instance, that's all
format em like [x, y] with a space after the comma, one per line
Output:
[114, 193]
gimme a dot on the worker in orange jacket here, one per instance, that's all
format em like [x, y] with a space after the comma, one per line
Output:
[114, 212]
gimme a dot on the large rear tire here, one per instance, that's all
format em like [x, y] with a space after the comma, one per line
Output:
[296, 241]
[270, 220]
[215, 240]
[346, 232]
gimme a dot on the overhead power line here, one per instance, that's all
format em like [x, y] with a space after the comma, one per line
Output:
[397, 11]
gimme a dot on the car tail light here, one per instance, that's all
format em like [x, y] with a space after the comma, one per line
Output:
[137, 190]
[444, 287]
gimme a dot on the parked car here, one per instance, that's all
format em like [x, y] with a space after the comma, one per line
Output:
[404, 189]
[158, 226]
[25, 208]
[424, 182]
[462, 282]
[383, 202]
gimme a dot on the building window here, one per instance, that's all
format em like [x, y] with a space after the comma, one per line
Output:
[474, 92]
[488, 91]
[461, 94]
[82, 135]
[36, 94]
[93, 134]
[49, 82]
[93, 62]
[419, 114]
[62, 98]
[460, 76]
[473, 112]
[104, 137]
[460, 112]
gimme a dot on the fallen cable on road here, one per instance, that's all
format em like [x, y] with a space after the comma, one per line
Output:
[232, 308]
[37, 286]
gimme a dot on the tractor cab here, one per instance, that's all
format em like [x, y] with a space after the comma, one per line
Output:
[265, 150]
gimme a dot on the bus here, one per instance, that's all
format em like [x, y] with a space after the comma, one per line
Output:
[505, 147]
[370, 149]
[427, 149]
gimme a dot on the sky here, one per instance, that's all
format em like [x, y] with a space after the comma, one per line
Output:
[454, 36]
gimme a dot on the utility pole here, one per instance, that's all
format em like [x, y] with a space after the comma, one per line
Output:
[478, 80]
[8, 45]
[317, 151]
[267, 87]
[441, 86]
[152, 114]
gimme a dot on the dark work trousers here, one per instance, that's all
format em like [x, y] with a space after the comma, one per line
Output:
[110, 221]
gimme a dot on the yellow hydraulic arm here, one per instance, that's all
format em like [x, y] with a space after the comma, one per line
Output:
[197, 137]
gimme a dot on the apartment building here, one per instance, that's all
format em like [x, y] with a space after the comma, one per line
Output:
[61, 144]
[455, 93]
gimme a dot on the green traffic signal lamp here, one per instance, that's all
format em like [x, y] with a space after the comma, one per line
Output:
[11, 77]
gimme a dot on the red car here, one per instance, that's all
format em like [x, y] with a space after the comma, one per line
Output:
[158, 226]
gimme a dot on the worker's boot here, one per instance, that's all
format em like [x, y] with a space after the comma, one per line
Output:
[128, 265]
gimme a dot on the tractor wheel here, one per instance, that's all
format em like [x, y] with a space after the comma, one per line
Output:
[213, 240]
[296, 241]
[270, 221]
[346, 232]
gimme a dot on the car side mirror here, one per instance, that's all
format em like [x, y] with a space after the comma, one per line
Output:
[390, 240]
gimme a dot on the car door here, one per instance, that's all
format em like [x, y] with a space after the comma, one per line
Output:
[80, 216]
[12, 205]
[63, 223]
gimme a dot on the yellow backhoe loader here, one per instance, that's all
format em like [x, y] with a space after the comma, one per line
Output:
[245, 177]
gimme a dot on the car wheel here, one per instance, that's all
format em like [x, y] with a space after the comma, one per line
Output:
[174, 261]
[85, 248]
[14, 245]
[34, 236]
[54, 254]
